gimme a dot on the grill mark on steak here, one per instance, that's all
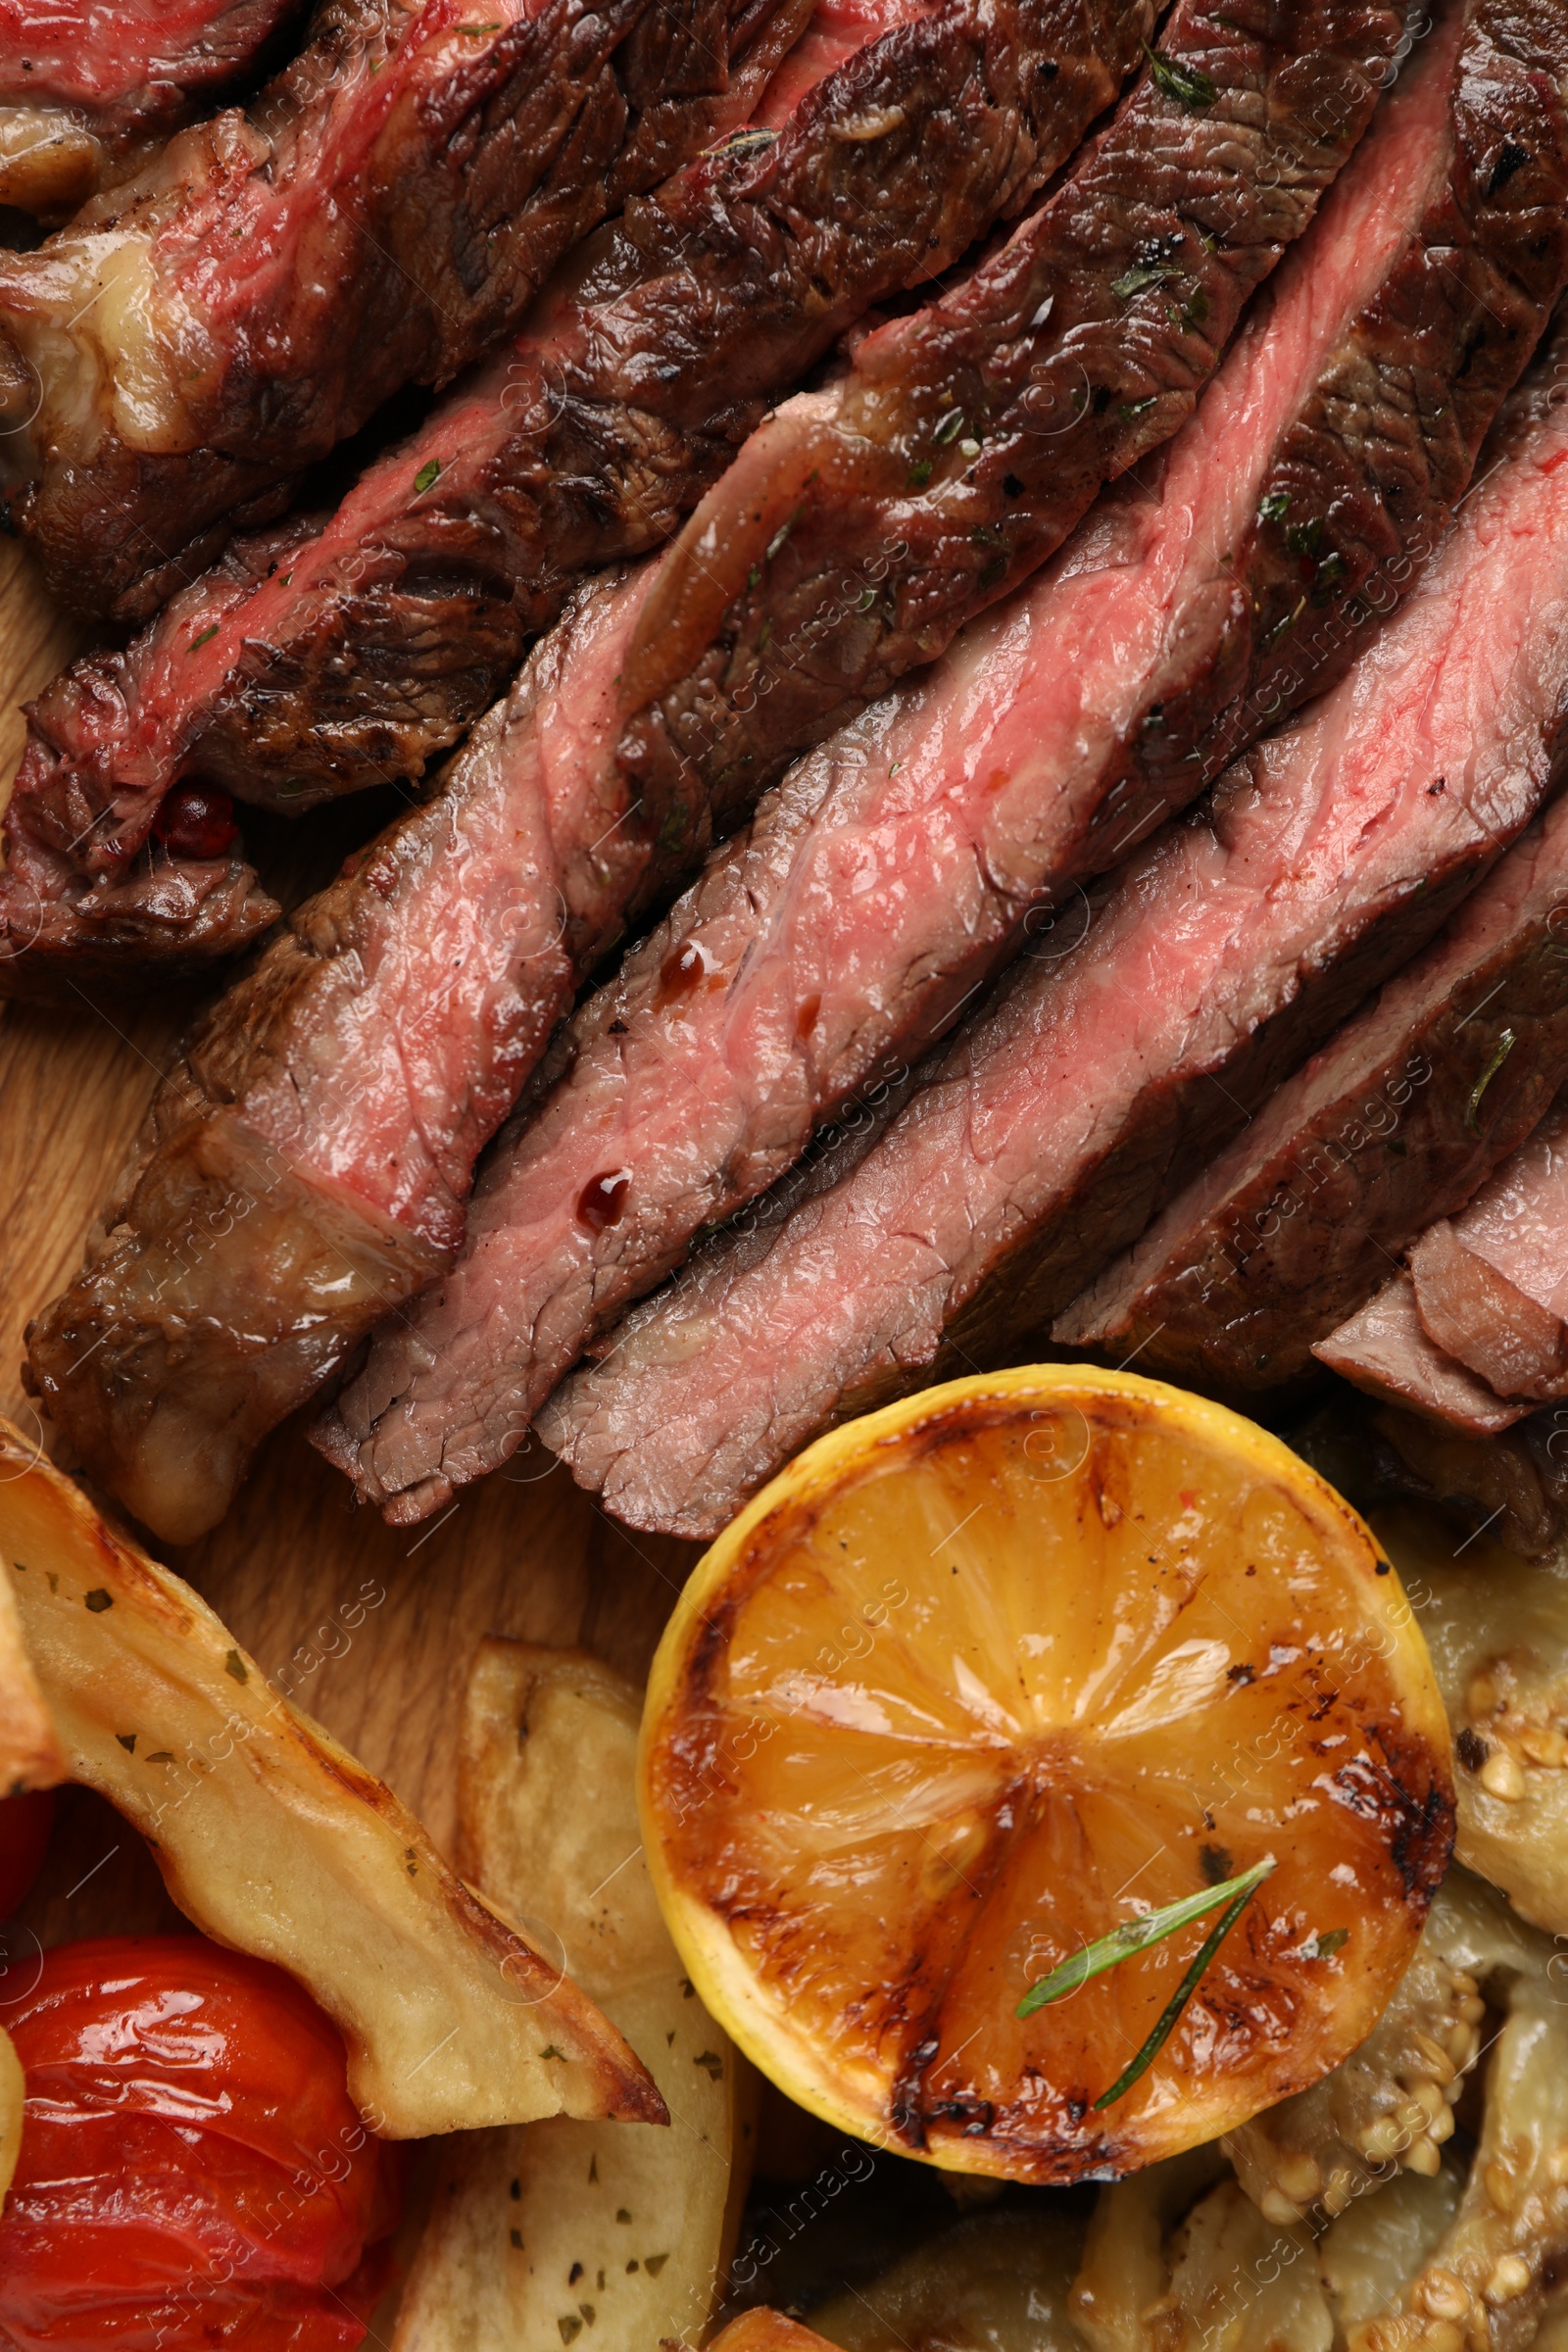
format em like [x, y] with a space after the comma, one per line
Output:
[1475, 1333]
[383, 213]
[84, 90]
[1045, 1137]
[971, 439]
[1397, 1121]
[877, 890]
[319, 658]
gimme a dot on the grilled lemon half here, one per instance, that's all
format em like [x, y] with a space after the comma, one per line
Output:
[981, 1678]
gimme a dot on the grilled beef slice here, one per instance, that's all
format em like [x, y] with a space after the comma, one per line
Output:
[133, 1397]
[84, 90]
[317, 659]
[1476, 1332]
[383, 213]
[1046, 1136]
[354, 1072]
[1397, 1121]
[969, 439]
[879, 886]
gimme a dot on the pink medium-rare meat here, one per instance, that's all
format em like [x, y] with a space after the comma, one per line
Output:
[880, 885]
[971, 437]
[305, 1168]
[323, 657]
[86, 86]
[1382, 1348]
[1045, 1136]
[1476, 1332]
[382, 213]
[1513, 1340]
[1398, 1119]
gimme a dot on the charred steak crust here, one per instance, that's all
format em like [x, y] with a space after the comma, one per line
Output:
[1396, 1122]
[307, 666]
[410, 180]
[969, 439]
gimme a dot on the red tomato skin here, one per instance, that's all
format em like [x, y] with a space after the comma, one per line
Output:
[193, 2172]
[26, 1824]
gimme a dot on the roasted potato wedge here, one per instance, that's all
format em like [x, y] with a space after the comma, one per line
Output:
[571, 2229]
[13, 2089]
[274, 1839]
[29, 1753]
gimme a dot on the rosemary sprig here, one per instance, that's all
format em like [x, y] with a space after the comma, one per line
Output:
[1165, 2024]
[1137, 1934]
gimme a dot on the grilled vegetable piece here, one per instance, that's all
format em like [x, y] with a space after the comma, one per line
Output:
[13, 2091]
[192, 2169]
[274, 1840]
[1496, 1628]
[627, 2232]
[997, 2279]
[30, 1755]
[768, 2331]
[1389, 2104]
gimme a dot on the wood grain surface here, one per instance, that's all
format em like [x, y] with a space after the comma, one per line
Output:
[524, 1554]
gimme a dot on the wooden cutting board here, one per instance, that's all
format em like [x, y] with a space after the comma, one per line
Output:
[525, 1553]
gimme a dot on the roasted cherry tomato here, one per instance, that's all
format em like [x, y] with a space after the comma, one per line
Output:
[25, 1825]
[193, 2172]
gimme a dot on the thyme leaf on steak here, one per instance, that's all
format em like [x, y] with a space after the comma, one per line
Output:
[1185, 83]
[1500, 1053]
[1137, 1934]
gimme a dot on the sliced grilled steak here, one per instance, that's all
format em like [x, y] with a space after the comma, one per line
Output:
[880, 885]
[1397, 1121]
[1385, 1350]
[317, 659]
[382, 213]
[85, 90]
[144, 1372]
[1482, 1316]
[305, 1168]
[972, 437]
[1047, 1135]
